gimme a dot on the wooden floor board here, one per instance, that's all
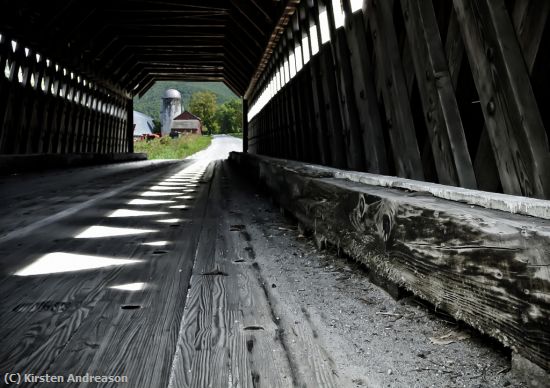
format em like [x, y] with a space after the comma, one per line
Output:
[230, 335]
[204, 317]
[148, 334]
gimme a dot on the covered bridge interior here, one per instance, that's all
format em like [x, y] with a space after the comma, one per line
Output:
[411, 134]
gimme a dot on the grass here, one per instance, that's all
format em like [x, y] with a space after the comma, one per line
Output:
[167, 148]
[236, 134]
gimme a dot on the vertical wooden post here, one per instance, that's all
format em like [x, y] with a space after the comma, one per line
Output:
[330, 105]
[391, 79]
[351, 130]
[130, 125]
[365, 92]
[319, 123]
[5, 89]
[245, 125]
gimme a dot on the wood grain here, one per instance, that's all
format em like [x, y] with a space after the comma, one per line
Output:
[355, 152]
[321, 134]
[394, 90]
[502, 80]
[231, 332]
[73, 322]
[487, 268]
[441, 114]
[365, 96]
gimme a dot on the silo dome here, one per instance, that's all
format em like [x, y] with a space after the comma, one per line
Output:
[170, 108]
[172, 93]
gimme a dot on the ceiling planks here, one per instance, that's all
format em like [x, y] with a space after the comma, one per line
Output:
[127, 45]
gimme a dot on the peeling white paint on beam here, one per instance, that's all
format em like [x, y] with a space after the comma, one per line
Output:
[504, 202]
[509, 203]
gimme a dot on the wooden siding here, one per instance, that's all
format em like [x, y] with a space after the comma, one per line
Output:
[442, 91]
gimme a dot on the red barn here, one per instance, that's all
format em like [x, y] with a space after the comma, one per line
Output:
[187, 123]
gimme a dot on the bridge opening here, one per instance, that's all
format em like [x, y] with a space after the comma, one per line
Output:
[410, 135]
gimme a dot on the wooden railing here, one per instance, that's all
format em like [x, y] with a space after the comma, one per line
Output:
[469, 255]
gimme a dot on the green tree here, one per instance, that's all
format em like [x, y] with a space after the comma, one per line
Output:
[157, 126]
[203, 105]
[229, 116]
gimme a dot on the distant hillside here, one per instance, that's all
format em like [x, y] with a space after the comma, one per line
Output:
[150, 103]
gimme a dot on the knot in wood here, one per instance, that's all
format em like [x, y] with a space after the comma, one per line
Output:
[491, 107]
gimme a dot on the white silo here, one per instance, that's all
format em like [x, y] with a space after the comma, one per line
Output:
[170, 108]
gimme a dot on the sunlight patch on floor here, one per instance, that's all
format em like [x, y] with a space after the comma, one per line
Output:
[170, 220]
[148, 201]
[156, 243]
[59, 262]
[186, 197]
[98, 231]
[169, 184]
[133, 213]
[131, 287]
[157, 193]
[160, 188]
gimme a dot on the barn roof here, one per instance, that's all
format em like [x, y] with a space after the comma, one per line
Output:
[130, 44]
[186, 116]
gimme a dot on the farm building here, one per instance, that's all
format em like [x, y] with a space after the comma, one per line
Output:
[143, 124]
[187, 123]
[170, 108]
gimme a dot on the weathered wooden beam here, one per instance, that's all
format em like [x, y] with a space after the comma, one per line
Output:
[291, 147]
[129, 125]
[441, 114]
[487, 268]
[408, 68]
[227, 80]
[351, 128]
[484, 164]
[245, 124]
[302, 84]
[530, 18]
[511, 114]
[320, 129]
[390, 73]
[145, 84]
[285, 9]
[365, 93]
[331, 106]
[454, 48]
[253, 18]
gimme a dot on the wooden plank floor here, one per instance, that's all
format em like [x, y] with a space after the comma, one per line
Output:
[208, 288]
[230, 334]
[119, 313]
[77, 298]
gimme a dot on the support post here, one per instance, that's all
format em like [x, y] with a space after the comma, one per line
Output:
[245, 125]
[130, 124]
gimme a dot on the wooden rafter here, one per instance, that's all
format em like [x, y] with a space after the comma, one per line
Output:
[118, 43]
